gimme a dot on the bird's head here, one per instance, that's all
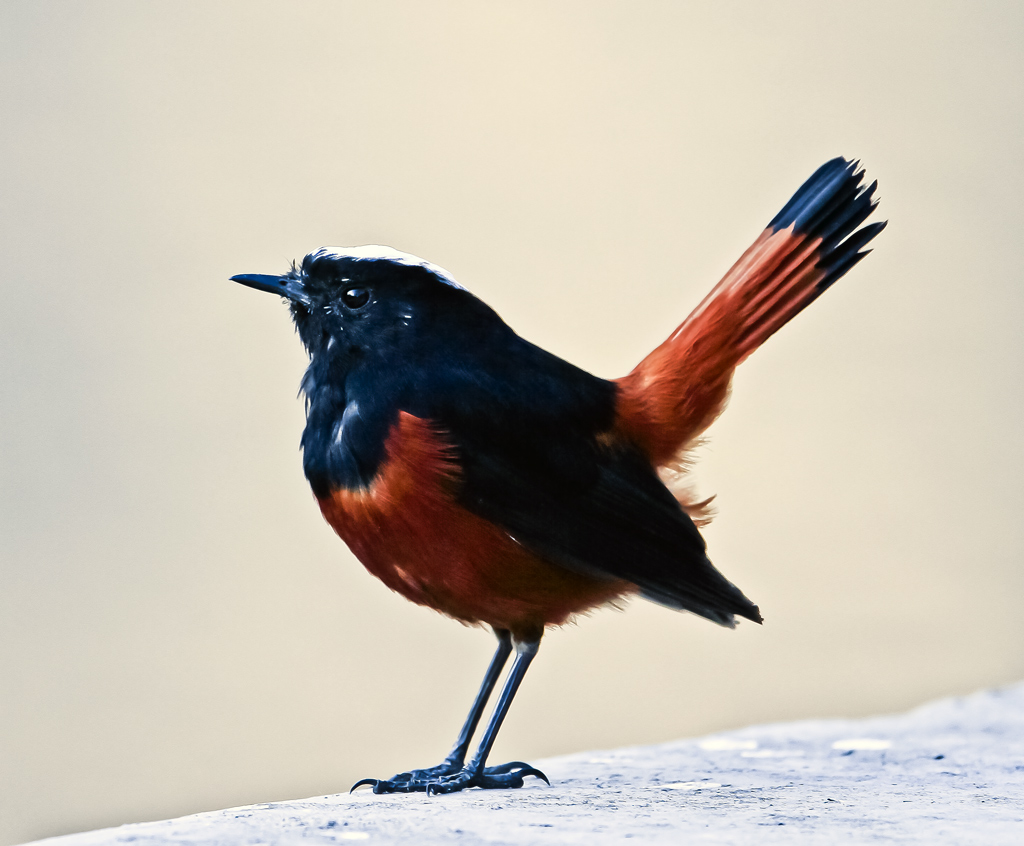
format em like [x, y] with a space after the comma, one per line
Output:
[360, 299]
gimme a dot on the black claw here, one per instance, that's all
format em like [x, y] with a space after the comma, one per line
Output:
[362, 781]
[533, 771]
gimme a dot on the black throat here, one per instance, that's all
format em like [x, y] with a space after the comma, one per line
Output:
[347, 420]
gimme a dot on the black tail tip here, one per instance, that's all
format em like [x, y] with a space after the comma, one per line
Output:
[830, 206]
[842, 257]
[823, 185]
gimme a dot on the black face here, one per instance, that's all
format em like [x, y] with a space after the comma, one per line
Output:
[364, 306]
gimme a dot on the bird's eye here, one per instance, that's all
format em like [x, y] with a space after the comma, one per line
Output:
[356, 297]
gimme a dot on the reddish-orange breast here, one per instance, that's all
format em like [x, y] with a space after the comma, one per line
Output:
[408, 530]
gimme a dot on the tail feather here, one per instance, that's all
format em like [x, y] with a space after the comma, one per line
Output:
[679, 389]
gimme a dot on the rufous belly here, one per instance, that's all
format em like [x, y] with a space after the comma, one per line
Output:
[408, 530]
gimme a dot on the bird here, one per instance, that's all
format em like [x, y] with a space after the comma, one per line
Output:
[479, 475]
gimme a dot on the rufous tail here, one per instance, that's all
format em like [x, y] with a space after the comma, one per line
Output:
[675, 393]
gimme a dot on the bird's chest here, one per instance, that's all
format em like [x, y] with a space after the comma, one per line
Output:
[406, 526]
[408, 529]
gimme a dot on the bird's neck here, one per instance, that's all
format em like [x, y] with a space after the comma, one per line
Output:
[346, 422]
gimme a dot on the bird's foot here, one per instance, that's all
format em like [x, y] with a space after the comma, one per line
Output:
[410, 782]
[449, 778]
[501, 777]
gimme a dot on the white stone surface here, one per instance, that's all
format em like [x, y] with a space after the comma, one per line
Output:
[951, 772]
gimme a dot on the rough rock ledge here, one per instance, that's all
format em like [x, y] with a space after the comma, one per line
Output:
[949, 772]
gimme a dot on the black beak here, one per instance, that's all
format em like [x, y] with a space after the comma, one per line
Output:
[283, 286]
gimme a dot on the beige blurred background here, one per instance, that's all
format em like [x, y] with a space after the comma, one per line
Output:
[180, 631]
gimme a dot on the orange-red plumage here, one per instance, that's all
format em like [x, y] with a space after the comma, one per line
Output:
[678, 390]
[408, 530]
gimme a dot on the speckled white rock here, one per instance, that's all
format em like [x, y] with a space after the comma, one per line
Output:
[951, 772]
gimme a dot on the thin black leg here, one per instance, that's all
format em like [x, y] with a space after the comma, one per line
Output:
[417, 780]
[476, 774]
[457, 757]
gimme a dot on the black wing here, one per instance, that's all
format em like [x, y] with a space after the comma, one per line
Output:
[533, 464]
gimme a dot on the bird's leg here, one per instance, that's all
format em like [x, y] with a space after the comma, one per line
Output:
[417, 780]
[475, 773]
